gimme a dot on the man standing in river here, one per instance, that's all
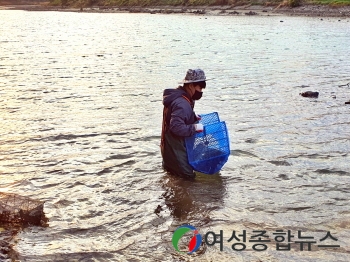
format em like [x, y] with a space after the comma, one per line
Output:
[180, 121]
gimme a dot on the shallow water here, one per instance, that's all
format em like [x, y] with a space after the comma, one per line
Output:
[81, 119]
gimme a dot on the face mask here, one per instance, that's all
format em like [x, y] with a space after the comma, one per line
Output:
[197, 95]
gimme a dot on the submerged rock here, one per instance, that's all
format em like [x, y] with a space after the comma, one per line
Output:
[309, 94]
[7, 253]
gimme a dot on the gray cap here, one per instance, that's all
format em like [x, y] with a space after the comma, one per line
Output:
[194, 75]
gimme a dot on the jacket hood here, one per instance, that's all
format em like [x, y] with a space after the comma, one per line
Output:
[169, 95]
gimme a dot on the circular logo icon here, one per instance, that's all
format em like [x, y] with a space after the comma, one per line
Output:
[195, 241]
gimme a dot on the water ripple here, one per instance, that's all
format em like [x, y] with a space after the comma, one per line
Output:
[81, 116]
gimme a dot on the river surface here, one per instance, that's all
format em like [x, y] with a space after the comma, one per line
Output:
[81, 111]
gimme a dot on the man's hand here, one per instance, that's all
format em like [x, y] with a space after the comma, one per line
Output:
[199, 128]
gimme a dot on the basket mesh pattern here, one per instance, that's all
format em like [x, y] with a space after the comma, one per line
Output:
[209, 118]
[209, 150]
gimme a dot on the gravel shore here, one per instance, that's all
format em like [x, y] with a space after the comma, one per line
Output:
[306, 10]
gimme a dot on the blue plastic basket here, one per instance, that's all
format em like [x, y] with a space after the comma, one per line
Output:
[211, 118]
[209, 150]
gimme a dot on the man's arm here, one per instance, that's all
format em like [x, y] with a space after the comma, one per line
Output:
[182, 114]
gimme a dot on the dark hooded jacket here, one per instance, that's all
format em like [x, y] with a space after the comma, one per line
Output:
[178, 123]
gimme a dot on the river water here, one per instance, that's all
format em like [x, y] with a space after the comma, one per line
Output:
[81, 110]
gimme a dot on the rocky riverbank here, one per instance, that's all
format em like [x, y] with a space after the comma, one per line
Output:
[306, 10]
[7, 235]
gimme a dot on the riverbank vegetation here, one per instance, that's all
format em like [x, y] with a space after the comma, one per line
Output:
[145, 3]
[175, 3]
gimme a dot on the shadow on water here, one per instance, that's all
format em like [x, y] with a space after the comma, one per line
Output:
[191, 202]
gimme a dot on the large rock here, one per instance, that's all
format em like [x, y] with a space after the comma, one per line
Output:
[20, 210]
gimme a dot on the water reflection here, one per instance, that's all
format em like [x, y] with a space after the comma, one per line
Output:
[193, 201]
